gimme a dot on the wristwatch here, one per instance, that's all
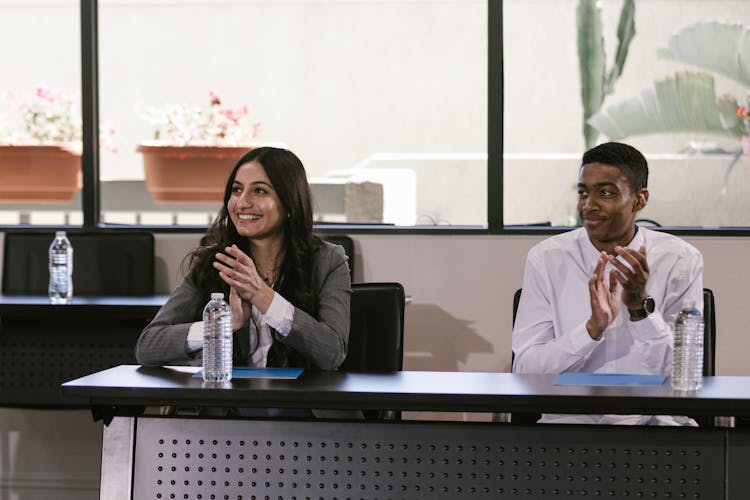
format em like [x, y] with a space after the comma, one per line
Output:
[647, 307]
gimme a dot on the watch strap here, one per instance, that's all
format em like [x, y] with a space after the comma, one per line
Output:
[637, 313]
[647, 307]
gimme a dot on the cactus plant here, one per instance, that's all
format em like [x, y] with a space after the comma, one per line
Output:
[596, 82]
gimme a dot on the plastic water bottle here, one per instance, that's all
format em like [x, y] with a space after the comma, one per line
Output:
[60, 269]
[687, 368]
[217, 340]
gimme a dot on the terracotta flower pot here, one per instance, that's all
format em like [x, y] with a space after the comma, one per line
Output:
[39, 173]
[188, 173]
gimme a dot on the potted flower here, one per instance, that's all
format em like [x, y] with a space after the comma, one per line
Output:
[193, 150]
[743, 113]
[40, 147]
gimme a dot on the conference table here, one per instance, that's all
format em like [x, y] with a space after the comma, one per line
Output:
[149, 455]
[42, 344]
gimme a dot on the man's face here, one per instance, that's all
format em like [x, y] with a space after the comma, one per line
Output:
[607, 206]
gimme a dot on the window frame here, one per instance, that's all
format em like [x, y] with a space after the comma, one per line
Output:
[91, 190]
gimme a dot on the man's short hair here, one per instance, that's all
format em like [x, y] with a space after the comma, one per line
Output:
[630, 161]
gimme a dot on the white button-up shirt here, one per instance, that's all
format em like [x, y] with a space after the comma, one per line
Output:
[550, 336]
[279, 316]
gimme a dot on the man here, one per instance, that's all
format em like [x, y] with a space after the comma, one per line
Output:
[602, 298]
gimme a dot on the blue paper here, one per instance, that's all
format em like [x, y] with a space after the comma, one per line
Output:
[609, 379]
[255, 372]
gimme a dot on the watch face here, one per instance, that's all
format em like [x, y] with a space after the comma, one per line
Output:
[649, 304]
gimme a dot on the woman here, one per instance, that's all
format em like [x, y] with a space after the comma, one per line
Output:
[288, 290]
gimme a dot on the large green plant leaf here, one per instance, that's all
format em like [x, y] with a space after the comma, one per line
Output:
[684, 103]
[625, 35]
[721, 47]
[590, 62]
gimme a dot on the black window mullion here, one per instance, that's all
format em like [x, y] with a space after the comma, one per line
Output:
[90, 113]
[495, 115]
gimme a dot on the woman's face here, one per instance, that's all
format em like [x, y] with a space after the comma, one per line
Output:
[254, 206]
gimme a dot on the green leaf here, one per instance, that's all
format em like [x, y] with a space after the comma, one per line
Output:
[625, 35]
[684, 103]
[590, 63]
[721, 47]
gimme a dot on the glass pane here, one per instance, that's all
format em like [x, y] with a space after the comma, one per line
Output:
[40, 113]
[691, 147]
[383, 101]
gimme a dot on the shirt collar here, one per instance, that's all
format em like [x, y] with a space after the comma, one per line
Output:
[591, 254]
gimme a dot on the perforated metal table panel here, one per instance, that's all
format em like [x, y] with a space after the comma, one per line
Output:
[202, 459]
[43, 345]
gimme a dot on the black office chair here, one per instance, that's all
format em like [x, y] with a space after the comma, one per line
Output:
[376, 335]
[347, 243]
[709, 352]
[104, 263]
[709, 346]
[709, 333]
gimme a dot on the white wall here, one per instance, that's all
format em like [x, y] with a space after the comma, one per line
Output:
[462, 289]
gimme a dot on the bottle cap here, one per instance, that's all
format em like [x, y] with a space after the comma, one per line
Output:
[217, 296]
[59, 234]
[688, 305]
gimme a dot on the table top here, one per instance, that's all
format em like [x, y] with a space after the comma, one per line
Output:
[38, 307]
[408, 391]
[78, 301]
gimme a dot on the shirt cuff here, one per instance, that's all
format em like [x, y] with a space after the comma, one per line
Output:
[194, 338]
[580, 342]
[652, 327]
[280, 315]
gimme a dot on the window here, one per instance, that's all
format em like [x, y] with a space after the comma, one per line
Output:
[406, 113]
[384, 101]
[40, 113]
[693, 180]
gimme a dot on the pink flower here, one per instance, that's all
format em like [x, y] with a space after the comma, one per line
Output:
[221, 125]
[48, 94]
[229, 114]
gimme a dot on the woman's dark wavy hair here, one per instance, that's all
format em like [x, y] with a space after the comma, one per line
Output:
[287, 175]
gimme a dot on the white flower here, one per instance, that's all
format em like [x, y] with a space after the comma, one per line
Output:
[216, 126]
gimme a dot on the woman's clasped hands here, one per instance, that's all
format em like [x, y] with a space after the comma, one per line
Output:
[247, 288]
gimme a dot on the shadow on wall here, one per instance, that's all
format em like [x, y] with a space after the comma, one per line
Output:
[435, 340]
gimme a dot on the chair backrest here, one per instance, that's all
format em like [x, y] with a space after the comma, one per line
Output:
[376, 335]
[104, 263]
[347, 243]
[516, 300]
[709, 330]
[709, 333]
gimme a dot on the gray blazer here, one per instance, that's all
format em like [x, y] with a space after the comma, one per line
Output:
[321, 342]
